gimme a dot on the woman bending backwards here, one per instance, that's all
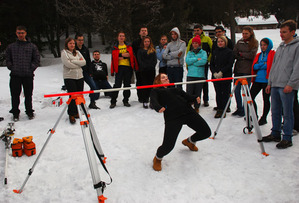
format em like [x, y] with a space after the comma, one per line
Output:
[176, 106]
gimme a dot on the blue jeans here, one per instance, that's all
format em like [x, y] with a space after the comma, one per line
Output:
[103, 84]
[175, 74]
[282, 106]
[88, 79]
[238, 92]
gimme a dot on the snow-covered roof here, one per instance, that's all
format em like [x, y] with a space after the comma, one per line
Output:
[256, 20]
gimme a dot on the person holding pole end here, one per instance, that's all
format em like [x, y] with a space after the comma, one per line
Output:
[221, 67]
[175, 104]
[72, 61]
[282, 83]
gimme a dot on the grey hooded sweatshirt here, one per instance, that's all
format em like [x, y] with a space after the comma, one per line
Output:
[285, 67]
[173, 49]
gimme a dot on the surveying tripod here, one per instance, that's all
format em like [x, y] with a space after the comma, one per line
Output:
[250, 114]
[90, 140]
[6, 138]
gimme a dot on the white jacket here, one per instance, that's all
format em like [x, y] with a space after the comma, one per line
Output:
[72, 64]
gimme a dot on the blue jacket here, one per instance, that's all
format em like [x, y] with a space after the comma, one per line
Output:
[160, 51]
[196, 68]
[261, 65]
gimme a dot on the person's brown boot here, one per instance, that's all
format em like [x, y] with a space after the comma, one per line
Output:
[72, 119]
[157, 164]
[191, 146]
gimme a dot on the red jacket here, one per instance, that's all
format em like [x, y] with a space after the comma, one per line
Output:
[115, 55]
[269, 63]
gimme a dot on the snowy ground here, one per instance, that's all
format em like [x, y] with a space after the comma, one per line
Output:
[227, 169]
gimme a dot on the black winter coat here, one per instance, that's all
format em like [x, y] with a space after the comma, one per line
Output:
[146, 61]
[176, 102]
[85, 53]
[22, 58]
[222, 60]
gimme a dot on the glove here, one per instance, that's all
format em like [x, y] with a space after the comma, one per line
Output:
[218, 75]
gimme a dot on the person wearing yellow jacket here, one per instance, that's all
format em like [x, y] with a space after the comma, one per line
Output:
[206, 44]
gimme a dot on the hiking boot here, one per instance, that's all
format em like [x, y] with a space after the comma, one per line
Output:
[190, 145]
[284, 144]
[157, 164]
[15, 118]
[262, 121]
[30, 116]
[145, 105]
[127, 104]
[219, 114]
[239, 112]
[93, 105]
[270, 138]
[112, 105]
[72, 119]
[196, 109]
[206, 104]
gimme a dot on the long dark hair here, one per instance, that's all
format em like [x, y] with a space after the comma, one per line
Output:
[253, 43]
[67, 40]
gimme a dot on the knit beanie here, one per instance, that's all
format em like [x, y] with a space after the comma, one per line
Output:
[197, 39]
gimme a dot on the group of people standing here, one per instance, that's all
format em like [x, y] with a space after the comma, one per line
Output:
[276, 73]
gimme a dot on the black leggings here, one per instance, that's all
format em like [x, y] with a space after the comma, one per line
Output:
[172, 129]
[255, 89]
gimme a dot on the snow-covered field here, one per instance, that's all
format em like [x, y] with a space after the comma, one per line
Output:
[228, 169]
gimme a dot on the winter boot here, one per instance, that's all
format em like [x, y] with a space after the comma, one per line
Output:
[157, 164]
[284, 144]
[190, 145]
[93, 105]
[72, 119]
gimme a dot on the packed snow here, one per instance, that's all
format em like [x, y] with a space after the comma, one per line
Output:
[228, 169]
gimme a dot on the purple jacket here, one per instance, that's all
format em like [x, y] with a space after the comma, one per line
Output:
[22, 58]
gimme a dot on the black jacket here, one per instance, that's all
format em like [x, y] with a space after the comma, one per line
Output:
[85, 53]
[222, 60]
[99, 70]
[176, 101]
[146, 61]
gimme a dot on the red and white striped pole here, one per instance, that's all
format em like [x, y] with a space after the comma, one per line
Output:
[145, 86]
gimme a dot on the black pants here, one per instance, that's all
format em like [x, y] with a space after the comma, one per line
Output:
[223, 90]
[138, 83]
[175, 74]
[255, 89]
[206, 85]
[172, 129]
[124, 75]
[195, 89]
[15, 85]
[73, 85]
[147, 78]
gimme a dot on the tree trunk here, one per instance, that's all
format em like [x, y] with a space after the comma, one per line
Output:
[232, 21]
[89, 40]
